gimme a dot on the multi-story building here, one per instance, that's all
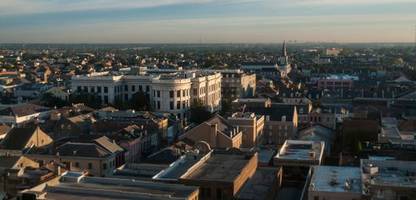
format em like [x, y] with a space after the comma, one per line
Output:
[173, 92]
[336, 82]
[251, 125]
[237, 84]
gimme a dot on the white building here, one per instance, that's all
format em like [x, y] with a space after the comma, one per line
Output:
[169, 92]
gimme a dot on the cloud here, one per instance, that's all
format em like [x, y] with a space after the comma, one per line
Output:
[21, 7]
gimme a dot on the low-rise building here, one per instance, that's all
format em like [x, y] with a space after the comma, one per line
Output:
[335, 183]
[220, 175]
[388, 179]
[300, 153]
[23, 113]
[217, 132]
[75, 185]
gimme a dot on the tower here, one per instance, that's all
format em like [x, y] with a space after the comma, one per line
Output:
[284, 49]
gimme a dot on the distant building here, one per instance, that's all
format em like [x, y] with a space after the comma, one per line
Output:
[237, 84]
[336, 82]
[172, 93]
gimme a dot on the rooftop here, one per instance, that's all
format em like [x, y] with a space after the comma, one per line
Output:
[388, 173]
[260, 185]
[336, 179]
[178, 168]
[301, 150]
[219, 167]
[77, 186]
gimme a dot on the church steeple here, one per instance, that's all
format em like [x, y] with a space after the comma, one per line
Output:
[284, 49]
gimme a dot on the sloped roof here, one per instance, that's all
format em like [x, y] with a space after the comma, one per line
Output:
[82, 150]
[4, 129]
[8, 162]
[107, 144]
[23, 110]
[17, 138]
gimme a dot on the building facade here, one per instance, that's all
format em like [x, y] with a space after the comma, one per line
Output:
[171, 93]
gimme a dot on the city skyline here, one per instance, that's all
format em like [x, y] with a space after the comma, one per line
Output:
[206, 21]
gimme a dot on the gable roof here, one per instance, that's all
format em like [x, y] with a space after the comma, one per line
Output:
[107, 144]
[17, 138]
[8, 162]
[23, 110]
[82, 150]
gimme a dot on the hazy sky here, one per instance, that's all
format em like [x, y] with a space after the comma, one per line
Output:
[208, 21]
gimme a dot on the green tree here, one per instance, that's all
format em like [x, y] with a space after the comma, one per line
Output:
[51, 101]
[140, 101]
[91, 100]
[199, 113]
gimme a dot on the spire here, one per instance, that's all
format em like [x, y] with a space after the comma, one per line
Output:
[284, 49]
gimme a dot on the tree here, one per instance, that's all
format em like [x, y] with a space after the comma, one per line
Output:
[199, 113]
[91, 100]
[140, 101]
[51, 101]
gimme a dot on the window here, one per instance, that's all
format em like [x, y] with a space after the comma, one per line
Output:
[133, 88]
[99, 89]
[158, 104]
[178, 105]
[126, 88]
[92, 89]
[126, 97]
[140, 88]
[184, 93]
[106, 99]
[89, 165]
[178, 93]
[85, 89]
[158, 93]
[105, 166]
[195, 91]
[105, 89]
[147, 88]
[171, 105]
[79, 88]
[183, 104]
[77, 164]
[171, 94]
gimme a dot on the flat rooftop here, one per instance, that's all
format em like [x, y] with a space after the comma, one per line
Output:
[260, 185]
[219, 167]
[336, 179]
[91, 188]
[299, 150]
[389, 173]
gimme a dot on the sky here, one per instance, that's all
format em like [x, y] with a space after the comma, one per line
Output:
[206, 21]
